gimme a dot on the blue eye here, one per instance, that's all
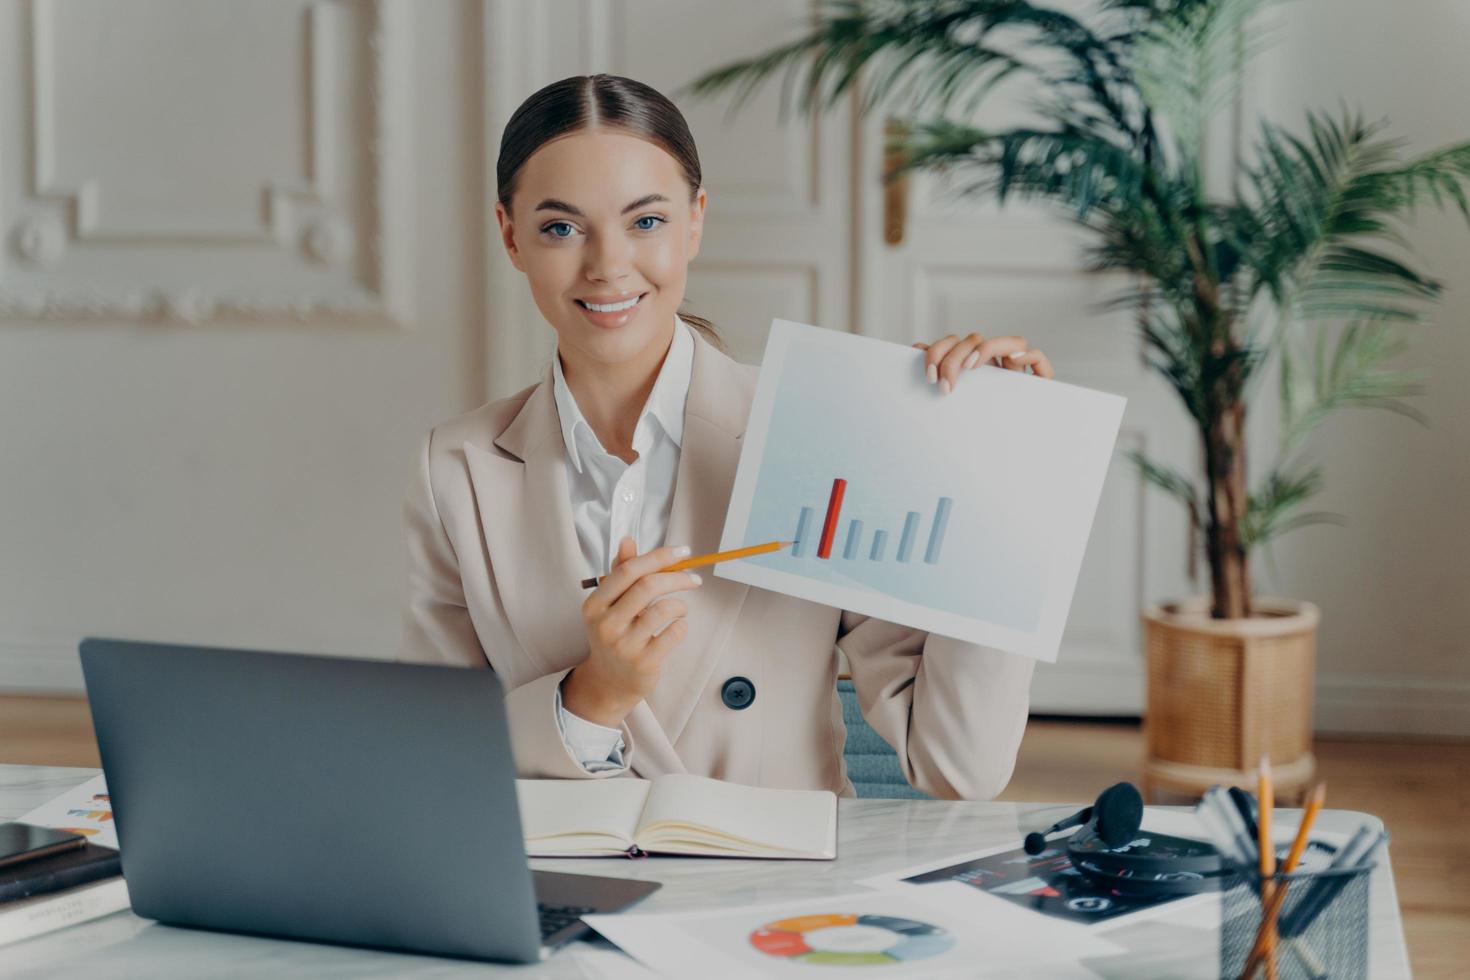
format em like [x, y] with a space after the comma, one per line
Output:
[557, 224]
[649, 217]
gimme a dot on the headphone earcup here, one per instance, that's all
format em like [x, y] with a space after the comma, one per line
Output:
[1118, 814]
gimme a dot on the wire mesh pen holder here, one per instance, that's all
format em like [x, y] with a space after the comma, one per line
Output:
[1322, 927]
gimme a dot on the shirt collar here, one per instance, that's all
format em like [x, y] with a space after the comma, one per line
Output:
[665, 403]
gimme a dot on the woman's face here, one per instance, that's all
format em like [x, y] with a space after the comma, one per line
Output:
[604, 217]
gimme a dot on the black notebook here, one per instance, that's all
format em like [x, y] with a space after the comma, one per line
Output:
[77, 866]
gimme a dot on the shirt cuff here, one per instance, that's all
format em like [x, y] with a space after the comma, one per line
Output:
[596, 746]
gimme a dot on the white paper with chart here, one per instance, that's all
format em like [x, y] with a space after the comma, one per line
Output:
[964, 514]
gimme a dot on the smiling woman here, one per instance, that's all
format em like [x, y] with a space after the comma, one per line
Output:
[631, 440]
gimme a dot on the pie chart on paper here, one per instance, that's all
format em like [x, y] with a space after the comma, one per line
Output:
[845, 939]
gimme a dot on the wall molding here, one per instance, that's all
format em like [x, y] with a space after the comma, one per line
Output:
[40, 666]
[1399, 704]
[348, 257]
[1346, 703]
[82, 203]
[1088, 686]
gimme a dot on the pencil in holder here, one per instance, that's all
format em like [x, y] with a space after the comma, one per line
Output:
[1322, 927]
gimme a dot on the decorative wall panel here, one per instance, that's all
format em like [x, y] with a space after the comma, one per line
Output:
[198, 160]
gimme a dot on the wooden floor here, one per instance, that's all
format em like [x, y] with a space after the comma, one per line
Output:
[1421, 790]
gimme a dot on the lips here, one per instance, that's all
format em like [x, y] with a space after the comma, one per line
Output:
[613, 319]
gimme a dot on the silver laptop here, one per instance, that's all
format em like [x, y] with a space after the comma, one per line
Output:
[361, 802]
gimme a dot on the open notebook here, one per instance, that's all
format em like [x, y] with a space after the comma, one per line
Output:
[674, 814]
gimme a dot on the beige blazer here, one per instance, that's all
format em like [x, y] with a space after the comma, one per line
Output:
[493, 581]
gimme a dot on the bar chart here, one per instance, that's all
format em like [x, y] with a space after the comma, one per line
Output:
[807, 535]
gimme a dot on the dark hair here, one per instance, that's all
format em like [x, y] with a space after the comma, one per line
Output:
[608, 101]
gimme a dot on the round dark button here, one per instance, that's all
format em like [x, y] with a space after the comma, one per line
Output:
[737, 693]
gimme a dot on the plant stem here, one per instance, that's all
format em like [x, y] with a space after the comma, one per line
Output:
[1225, 470]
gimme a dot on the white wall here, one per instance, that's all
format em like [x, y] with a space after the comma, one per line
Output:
[236, 483]
[1394, 585]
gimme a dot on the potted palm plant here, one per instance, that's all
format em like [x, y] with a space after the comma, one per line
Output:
[1301, 266]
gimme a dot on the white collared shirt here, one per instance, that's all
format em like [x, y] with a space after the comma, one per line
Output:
[612, 499]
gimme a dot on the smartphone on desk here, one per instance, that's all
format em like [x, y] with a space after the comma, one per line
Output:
[24, 842]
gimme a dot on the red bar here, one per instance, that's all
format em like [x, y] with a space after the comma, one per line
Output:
[829, 527]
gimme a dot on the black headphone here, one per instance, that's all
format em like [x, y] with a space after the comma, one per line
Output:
[1115, 817]
[1111, 853]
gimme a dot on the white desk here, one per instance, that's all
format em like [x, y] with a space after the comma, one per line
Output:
[874, 836]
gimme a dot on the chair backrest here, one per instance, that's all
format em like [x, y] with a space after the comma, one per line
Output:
[872, 765]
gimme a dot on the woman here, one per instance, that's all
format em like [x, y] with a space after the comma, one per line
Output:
[629, 441]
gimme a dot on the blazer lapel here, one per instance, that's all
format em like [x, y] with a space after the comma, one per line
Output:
[526, 513]
[525, 510]
[714, 422]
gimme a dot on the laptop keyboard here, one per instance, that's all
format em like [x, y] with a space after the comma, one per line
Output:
[555, 918]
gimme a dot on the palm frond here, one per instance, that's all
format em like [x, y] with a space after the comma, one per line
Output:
[1187, 62]
[1074, 168]
[1172, 482]
[1344, 370]
[1269, 510]
[1316, 202]
[927, 53]
[1437, 177]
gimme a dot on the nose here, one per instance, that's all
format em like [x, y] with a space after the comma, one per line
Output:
[609, 259]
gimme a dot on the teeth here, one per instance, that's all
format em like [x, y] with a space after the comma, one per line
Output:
[610, 308]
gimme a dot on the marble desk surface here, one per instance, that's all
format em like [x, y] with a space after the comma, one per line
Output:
[874, 836]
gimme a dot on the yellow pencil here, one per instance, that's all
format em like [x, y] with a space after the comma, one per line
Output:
[1273, 908]
[1266, 800]
[698, 561]
[1298, 846]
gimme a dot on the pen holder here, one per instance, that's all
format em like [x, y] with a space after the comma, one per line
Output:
[1322, 928]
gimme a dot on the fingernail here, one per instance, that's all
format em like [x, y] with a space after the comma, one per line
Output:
[944, 387]
[696, 577]
[1018, 355]
[682, 551]
[970, 361]
[933, 373]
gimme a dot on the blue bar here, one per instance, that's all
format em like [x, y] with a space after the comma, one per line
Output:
[854, 535]
[880, 541]
[803, 525]
[936, 533]
[906, 540]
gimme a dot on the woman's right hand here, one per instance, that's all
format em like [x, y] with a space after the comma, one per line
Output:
[630, 632]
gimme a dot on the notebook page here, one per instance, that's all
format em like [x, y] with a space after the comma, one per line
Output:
[797, 820]
[553, 808]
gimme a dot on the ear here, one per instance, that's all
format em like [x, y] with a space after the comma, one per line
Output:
[696, 221]
[507, 236]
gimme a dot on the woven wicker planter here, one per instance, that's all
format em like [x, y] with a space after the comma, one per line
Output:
[1224, 692]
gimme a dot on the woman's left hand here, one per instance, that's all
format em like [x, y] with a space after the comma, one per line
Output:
[946, 358]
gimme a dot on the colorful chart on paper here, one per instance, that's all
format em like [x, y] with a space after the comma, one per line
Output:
[850, 939]
[85, 809]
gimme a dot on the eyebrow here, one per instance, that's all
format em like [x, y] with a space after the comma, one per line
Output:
[552, 204]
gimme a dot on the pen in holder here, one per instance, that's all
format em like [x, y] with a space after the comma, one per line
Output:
[1321, 927]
